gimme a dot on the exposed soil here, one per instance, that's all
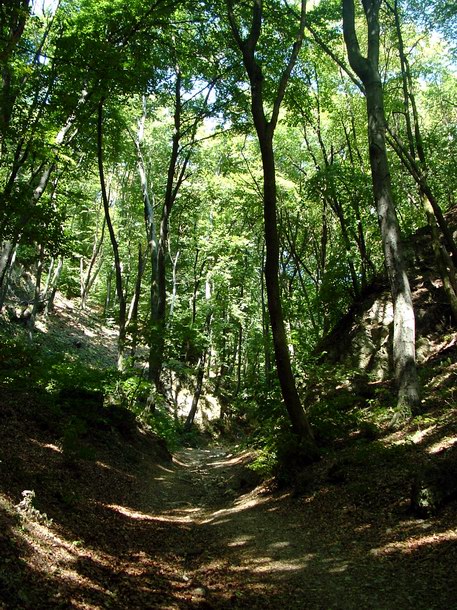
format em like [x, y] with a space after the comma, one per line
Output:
[128, 526]
[134, 529]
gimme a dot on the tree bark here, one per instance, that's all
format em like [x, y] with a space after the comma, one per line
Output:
[115, 246]
[53, 286]
[367, 69]
[265, 130]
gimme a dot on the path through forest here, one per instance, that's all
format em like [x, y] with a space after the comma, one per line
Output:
[130, 528]
[254, 549]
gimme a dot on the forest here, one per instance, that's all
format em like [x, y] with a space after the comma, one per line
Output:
[228, 303]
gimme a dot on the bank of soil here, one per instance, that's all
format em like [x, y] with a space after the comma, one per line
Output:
[117, 522]
[133, 528]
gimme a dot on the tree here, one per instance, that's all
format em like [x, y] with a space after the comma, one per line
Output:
[367, 69]
[265, 129]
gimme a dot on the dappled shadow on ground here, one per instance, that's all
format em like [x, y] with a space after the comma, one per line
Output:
[132, 529]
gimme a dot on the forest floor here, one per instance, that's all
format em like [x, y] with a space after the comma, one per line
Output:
[129, 526]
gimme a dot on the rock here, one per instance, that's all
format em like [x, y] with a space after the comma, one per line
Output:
[434, 486]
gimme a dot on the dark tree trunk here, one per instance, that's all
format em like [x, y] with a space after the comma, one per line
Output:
[286, 378]
[115, 246]
[265, 130]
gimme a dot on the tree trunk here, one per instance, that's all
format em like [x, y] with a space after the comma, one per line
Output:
[198, 391]
[159, 292]
[6, 267]
[132, 318]
[37, 294]
[117, 261]
[404, 321]
[53, 285]
[265, 130]
[292, 401]
[90, 275]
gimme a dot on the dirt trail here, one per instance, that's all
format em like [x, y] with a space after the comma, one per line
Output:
[258, 550]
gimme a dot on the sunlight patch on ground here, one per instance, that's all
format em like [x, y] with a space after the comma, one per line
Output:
[417, 437]
[339, 569]
[280, 545]
[247, 501]
[268, 565]
[49, 553]
[184, 517]
[414, 543]
[240, 541]
[117, 470]
[160, 467]
[47, 445]
[445, 443]
[229, 460]
[131, 514]
[40, 324]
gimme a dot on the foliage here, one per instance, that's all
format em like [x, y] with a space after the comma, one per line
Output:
[55, 75]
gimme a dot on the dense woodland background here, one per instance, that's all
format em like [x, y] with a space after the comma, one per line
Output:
[228, 222]
[211, 179]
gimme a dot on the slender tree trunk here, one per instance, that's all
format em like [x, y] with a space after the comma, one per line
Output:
[198, 391]
[132, 318]
[265, 130]
[265, 328]
[292, 401]
[115, 246]
[109, 280]
[174, 262]
[90, 276]
[53, 285]
[6, 273]
[404, 320]
[37, 294]
[200, 376]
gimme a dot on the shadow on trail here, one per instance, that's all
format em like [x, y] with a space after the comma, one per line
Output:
[271, 551]
[131, 529]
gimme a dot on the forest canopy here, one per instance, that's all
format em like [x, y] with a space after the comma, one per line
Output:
[221, 180]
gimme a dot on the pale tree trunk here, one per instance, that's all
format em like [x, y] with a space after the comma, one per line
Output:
[89, 276]
[9, 256]
[148, 205]
[37, 294]
[367, 69]
[109, 281]
[53, 286]
[265, 130]
[176, 175]
[200, 377]
[197, 393]
[265, 327]
[174, 263]
[132, 318]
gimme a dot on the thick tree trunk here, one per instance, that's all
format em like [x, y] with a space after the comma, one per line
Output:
[404, 320]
